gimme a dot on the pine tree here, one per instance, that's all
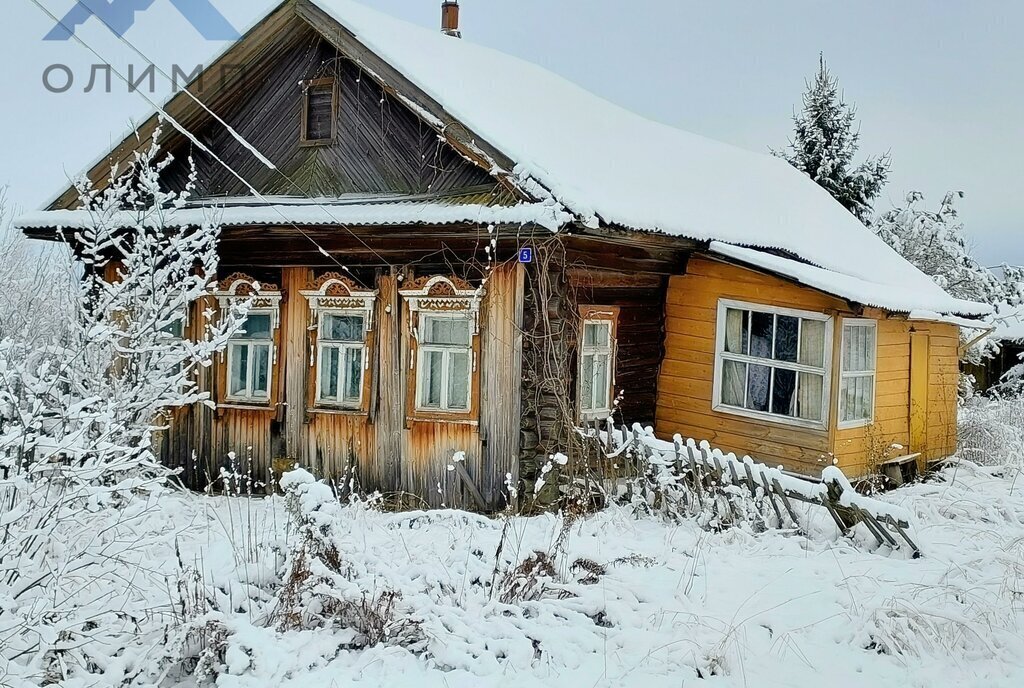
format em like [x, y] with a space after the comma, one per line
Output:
[825, 143]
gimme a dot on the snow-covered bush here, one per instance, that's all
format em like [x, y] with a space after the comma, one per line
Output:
[318, 590]
[80, 397]
[992, 430]
[93, 395]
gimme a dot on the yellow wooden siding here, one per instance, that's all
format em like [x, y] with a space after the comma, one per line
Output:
[687, 375]
[685, 385]
[859, 450]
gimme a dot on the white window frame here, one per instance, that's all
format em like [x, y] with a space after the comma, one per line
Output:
[236, 343]
[721, 356]
[845, 375]
[602, 412]
[343, 347]
[446, 350]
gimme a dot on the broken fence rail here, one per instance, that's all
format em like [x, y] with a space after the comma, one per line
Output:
[706, 466]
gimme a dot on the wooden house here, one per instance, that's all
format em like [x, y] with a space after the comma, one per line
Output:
[461, 256]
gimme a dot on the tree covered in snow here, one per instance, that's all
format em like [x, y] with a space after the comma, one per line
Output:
[934, 241]
[825, 141]
[80, 397]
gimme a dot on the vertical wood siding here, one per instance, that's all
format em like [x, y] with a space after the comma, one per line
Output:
[501, 375]
[381, 449]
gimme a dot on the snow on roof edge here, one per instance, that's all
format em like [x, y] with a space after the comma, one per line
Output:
[884, 296]
[367, 214]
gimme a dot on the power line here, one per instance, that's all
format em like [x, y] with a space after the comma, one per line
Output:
[196, 142]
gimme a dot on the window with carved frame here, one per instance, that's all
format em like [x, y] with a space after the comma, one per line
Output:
[250, 358]
[444, 323]
[342, 325]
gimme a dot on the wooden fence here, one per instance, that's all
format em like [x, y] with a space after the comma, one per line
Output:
[701, 472]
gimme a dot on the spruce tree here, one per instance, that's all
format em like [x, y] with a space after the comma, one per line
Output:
[825, 142]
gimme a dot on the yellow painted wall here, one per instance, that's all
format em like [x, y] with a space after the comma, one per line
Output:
[685, 386]
[860, 450]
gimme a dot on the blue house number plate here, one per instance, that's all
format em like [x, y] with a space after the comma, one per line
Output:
[526, 255]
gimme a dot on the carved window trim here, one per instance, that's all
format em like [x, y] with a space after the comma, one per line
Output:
[335, 294]
[448, 297]
[263, 299]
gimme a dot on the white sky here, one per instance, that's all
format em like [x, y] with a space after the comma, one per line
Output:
[937, 84]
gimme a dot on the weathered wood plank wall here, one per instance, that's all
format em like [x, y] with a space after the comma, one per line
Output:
[380, 147]
[384, 449]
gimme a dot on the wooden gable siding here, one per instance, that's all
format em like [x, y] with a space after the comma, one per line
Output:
[381, 449]
[685, 386]
[380, 147]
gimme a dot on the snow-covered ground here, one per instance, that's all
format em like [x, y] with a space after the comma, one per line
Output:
[669, 605]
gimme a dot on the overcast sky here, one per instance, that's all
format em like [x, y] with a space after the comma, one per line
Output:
[938, 84]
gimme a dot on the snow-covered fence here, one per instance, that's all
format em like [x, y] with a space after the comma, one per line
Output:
[699, 469]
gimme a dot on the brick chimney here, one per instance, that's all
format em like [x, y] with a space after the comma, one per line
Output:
[450, 18]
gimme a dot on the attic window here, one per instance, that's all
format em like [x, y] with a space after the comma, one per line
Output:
[319, 109]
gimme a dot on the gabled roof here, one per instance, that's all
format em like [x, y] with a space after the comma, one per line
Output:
[556, 142]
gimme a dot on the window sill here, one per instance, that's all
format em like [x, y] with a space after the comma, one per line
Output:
[450, 419]
[245, 406]
[314, 143]
[812, 425]
[329, 411]
[855, 424]
[591, 416]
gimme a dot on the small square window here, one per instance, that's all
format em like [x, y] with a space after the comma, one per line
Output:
[319, 111]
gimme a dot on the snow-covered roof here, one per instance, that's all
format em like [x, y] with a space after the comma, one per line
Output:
[367, 213]
[870, 292]
[607, 165]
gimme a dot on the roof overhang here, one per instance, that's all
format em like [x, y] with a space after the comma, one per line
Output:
[888, 297]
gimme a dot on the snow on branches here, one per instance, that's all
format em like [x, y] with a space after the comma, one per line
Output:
[79, 401]
[824, 143]
[934, 241]
[95, 394]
